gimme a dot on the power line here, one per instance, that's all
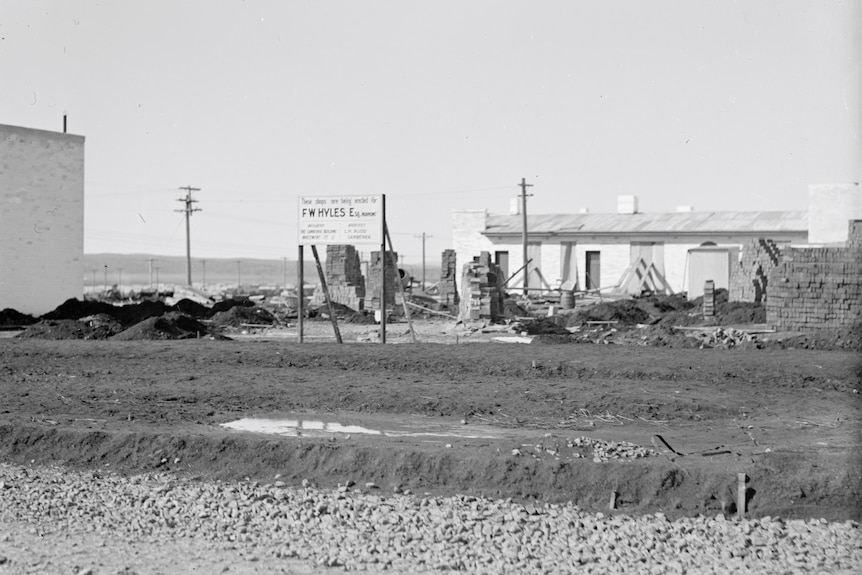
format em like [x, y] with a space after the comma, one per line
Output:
[188, 209]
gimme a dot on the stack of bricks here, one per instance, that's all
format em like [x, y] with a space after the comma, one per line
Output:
[709, 299]
[392, 279]
[482, 295]
[817, 288]
[448, 294]
[750, 278]
[344, 279]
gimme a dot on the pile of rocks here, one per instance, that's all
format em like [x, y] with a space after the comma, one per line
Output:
[599, 450]
[725, 337]
[362, 529]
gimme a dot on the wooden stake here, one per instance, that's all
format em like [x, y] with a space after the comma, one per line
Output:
[740, 495]
[326, 293]
[300, 304]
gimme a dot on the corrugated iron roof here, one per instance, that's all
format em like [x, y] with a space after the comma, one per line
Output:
[658, 223]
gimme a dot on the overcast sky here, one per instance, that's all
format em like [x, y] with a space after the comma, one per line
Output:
[437, 104]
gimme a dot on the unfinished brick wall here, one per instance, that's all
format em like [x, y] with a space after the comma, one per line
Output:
[392, 278]
[481, 290]
[749, 279]
[343, 272]
[448, 287]
[817, 288]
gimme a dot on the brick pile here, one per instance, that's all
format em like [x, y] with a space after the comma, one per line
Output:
[481, 290]
[750, 278]
[708, 299]
[817, 288]
[448, 288]
[343, 272]
[392, 278]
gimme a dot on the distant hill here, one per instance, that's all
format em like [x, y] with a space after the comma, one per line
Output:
[133, 270]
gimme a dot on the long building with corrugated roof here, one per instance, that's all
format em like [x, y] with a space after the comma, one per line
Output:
[630, 251]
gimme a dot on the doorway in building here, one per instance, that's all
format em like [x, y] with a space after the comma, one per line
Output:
[502, 261]
[593, 270]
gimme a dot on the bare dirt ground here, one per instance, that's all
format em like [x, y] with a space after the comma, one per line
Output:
[789, 419]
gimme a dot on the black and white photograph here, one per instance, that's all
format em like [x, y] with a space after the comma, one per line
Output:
[420, 287]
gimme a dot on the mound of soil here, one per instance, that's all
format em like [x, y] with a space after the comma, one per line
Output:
[544, 326]
[127, 315]
[102, 325]
[735, 312]
[135, 313]
[193, 308]
[76, 309]
[60, 329]
[228, 304]
[511, 309]
[624, 311]
[12, 317]
[173, 325]
[240, 314]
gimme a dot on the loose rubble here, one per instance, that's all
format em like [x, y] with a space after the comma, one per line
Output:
[358, 530]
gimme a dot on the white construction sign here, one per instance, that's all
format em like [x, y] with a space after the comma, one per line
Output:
[328, 220]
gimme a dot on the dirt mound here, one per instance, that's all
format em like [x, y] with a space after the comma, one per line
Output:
[735, 312]
[228, 304]
[12, 317]
[721, 296]
[543, 326]
[193, 308]
[624, 311]
[135, 313]
[241, 314]
[61, 329]
[127, 315]
[76, 309]
[173, 325]
[102, 325]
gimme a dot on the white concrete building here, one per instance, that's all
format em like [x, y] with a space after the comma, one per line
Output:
[594, 251]
[41, 219]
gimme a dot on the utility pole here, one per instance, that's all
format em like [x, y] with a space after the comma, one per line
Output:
[151, 260]
[157, 281]
[423, 236]
[524, 185]
[106, 278]
[188, 209]
[204, 265]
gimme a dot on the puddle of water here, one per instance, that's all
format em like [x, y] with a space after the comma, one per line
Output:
[295, 427]
[300, 427]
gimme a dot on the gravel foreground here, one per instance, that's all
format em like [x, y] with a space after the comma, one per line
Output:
[278, 529]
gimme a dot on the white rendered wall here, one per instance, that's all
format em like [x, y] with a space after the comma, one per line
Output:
[613, 261]
[675, 262]
[41, 219]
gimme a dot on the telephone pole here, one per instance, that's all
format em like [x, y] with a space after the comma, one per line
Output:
[151, 260]
[188, 209]
[524, 185]
[423, 236]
